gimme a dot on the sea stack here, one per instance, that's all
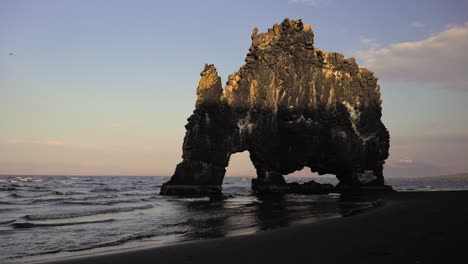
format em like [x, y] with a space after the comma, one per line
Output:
[290, 106]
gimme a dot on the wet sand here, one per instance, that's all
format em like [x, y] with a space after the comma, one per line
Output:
[411, 227]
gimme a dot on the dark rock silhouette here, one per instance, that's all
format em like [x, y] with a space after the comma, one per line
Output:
[291, 106]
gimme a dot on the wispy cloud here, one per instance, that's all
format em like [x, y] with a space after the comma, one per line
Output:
[306, 2]
[369, 43]
[417, 25]
[439, 60]
[406, 161]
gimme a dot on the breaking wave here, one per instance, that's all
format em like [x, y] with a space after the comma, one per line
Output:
[33, 225]
[3, 222]
[85, 213]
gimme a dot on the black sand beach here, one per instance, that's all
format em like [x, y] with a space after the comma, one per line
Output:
[411, 227]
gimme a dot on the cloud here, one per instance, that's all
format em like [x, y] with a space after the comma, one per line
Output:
[369, 43]
[417, 25]
[405, 161]
[446, 153]
[306, 2]
[439, 60]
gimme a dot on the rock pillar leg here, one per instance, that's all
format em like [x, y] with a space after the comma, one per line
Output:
[206, 151]
[195, 178]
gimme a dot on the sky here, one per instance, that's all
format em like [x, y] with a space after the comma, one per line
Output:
[105, 87]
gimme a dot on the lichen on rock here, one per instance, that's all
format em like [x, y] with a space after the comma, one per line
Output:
[291, 106]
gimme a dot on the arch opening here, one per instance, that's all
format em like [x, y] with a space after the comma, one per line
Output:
[240, 165]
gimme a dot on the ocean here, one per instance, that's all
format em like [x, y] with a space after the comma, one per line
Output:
[50, 217]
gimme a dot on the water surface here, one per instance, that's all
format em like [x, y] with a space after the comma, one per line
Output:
[44, 217]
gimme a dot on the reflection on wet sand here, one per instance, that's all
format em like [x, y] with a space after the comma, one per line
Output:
[244, 215]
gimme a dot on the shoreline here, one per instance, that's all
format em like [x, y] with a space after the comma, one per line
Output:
[412, 227]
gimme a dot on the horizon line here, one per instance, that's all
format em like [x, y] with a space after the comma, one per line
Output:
[464, 174]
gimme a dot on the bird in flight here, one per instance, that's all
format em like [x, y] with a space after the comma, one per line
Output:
[11, 54]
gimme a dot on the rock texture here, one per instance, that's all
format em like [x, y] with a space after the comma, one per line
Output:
[291, 106]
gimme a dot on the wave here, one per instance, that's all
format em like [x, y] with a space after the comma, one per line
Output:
[369, 206]
[66, 193]
[16, 202]
[96, 197]
[117, 242]
[35, 194]
[105, 189]
[86, 213]
[7, 189]
[65, 200]
[198, 222]
[87, 200]
[34, 225]
[28, 195]
[40, 187]
[48, 200]
[21, 179]
[151, 193]
[150, 199]
[2, 222]
[20, 195]
[111, 202]
[123, 240]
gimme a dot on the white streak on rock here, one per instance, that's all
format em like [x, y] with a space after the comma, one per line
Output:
[365, 177]
[303, 119]
[354, 116]
[245, 125]
[330, 97]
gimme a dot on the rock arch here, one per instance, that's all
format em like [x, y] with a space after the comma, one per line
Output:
[291, 106]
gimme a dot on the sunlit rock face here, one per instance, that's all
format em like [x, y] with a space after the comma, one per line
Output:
[291, 106]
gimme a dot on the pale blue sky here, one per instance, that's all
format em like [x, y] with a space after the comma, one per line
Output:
[105, 87]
